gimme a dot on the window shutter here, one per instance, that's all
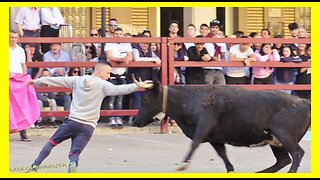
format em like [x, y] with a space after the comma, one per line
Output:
[98, 16]
[254, 21]
[289, 17]
[139, 20]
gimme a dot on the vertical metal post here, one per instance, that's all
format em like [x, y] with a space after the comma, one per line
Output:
[164, 77]
[103, 32]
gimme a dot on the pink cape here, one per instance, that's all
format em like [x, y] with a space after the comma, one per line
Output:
[24, 108]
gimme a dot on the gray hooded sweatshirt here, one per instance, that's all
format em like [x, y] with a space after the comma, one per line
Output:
[88, 93]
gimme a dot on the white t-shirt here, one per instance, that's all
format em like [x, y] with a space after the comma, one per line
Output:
[238, 71]
[118, 50]
[16, 57]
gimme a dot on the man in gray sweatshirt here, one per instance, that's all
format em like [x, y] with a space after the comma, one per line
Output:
[88, 92]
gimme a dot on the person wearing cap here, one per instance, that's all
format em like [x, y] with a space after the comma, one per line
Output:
[215, 75]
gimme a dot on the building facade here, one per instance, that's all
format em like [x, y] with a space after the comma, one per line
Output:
[155, 19]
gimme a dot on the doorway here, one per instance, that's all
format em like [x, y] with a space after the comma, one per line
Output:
[171, 13]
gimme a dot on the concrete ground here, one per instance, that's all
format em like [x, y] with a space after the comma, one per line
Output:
[141, 150]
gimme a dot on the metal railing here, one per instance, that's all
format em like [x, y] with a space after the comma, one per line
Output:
[167, 66]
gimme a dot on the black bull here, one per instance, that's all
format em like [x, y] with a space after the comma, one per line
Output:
[233, 115]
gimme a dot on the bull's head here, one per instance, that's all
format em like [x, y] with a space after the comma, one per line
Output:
[151, 105]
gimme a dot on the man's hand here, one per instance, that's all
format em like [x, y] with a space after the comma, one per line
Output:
[31, 82]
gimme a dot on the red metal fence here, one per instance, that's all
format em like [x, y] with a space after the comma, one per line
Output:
[167, 66]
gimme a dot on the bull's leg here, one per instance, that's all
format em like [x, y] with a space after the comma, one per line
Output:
[201, 133]
[221, 150]
[297, 155]
[283, 159]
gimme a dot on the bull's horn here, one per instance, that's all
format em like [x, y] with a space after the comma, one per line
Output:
[142, 84]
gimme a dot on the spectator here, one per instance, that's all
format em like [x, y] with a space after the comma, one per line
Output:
[173, 28]
[238, 34]
[243, 53]
[194, 75]
[265, 33]
[57, 55]
[286, 75]
[180, 54]
[28, 23]
[51, 20]
[304, 74]
[190, 33]
[32, 55]
[74, 71]
[204, 29]
[263, 75]
[294, 29]
[117, 53]
[95, 34]
[47, 99]
[215, 75]
[155, 48]
[302, 32]
[113, 24]
[91, 56]
[141, 52]
[277, 46]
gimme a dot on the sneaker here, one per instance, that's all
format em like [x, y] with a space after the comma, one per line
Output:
[113, 123]
[53, 124]
[25, 138]
[72, 167]
[33, 168]
[119, 123]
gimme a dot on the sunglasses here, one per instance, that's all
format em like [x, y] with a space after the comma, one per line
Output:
[88, 47]
[94, 34]
[113, 24]
[76, 71]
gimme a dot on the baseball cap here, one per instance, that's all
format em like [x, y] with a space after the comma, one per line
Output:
[215, 22]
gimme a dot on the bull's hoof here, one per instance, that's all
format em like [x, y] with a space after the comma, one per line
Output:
[183, 166]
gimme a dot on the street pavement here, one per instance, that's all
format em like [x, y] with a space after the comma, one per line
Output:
[141, 150]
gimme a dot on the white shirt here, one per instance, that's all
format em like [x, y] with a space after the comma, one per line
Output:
[28, 18]
[238, 71]
[16, 57]
[118, 50]
[51, 16]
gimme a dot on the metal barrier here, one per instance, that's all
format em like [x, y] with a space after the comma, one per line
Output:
[66, 31]
[167, 66]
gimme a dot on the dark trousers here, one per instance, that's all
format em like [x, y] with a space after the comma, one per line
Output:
[235, 80]
[80, 135]
[47, 31]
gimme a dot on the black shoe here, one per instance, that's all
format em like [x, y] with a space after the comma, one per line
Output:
[25, 138]
[119, 126]
[33, 168]
[53, 125]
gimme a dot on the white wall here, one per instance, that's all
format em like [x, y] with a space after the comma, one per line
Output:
[203, 15]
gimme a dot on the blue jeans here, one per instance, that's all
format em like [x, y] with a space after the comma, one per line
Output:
[65, 101]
